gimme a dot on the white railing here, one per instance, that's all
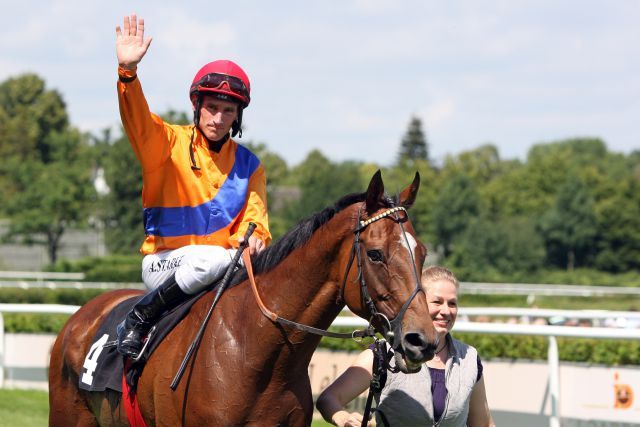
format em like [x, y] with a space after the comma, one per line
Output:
[461, 326]
[545, 289]
[54, 280]
[50, 284]
[27, 308]
[40, 275]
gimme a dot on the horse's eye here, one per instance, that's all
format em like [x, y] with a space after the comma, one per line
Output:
[375, 255]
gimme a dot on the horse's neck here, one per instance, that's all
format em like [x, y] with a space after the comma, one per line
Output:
[305, 286]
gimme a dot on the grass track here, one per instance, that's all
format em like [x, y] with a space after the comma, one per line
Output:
[24, 408]
[30, 408]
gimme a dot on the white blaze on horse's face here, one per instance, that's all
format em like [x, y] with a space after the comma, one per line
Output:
[411, 245]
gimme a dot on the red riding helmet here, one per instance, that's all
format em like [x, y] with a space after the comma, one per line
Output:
[223, 78]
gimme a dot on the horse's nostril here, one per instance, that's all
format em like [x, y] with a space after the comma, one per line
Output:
[415, 339]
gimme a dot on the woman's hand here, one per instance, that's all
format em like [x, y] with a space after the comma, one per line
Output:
[131, 45]
[348, 419]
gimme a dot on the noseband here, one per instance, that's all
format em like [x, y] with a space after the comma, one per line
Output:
[390, 329]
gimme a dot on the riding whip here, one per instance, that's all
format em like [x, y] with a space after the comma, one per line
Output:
[221, 287]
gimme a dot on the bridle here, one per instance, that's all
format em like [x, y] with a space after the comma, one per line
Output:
[391, 329]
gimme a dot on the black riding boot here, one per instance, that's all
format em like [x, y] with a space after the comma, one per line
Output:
[151, 307]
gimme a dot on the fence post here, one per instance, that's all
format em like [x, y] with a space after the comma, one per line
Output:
[1, 351]
[554, 381]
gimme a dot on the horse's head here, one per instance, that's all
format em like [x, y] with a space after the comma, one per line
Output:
[385, 286]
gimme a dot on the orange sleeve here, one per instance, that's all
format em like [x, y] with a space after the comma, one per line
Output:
[255, 210]
[149, 136]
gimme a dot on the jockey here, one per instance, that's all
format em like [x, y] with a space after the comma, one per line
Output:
[200, 187]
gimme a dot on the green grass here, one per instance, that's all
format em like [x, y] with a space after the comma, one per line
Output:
[23, 408]
[30, 408]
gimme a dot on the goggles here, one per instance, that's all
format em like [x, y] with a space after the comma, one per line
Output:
[218, 81]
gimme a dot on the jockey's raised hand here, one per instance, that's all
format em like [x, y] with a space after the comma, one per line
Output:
[131, 45]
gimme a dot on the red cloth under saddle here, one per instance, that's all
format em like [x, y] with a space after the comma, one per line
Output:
[130, 402]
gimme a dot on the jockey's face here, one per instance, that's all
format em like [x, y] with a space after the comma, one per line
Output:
[216, 117]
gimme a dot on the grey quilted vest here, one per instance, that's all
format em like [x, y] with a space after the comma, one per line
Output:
[406, 398]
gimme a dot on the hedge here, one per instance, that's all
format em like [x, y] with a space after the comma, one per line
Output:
[490, 346]
[512, 347]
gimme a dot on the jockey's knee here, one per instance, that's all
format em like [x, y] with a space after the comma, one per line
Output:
[203, 268]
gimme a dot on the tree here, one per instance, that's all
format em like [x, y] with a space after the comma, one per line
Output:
[414, 143]
[457, 204]
[46, 172]
[122, 206]
[321, 184]
[275, 166]
[569, 227]
[618, 240]
[509, 247]
[481, 164]
[396, 178]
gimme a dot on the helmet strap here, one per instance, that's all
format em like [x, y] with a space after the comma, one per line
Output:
[236, 127]
[194, 166]
[196, 111]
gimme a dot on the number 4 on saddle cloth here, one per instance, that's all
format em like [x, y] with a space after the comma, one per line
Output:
[103, 366]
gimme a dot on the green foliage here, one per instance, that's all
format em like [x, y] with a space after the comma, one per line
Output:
[481, 164]
[397, 178]
[114, 268]
[46, 172]
[491, 347]
[455, 206]
[569, 227]
[511, 246]
[414, 144]
[321, 184]
[34, 323]
[618, 219]
[122, 206]
[604, 352]
[47, 296]
[42, 323]
[275, 166]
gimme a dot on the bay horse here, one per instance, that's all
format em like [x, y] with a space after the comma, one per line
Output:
[362, 252]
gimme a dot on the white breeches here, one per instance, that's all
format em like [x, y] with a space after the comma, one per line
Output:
[195, 266]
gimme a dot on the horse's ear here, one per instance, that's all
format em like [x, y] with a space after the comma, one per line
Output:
[375, 192]
[408, 195]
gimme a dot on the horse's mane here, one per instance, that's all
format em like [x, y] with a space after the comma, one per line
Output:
[298, 236]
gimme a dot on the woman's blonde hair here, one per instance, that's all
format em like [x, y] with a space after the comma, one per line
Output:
[435, 272]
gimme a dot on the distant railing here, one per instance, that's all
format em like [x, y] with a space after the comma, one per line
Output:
[26, 284]
[40, 275]
[54, 280]
[545, 289]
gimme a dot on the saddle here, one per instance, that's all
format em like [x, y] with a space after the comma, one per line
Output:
[103, 366]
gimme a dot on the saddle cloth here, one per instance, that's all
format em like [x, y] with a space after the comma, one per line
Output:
[103, 365]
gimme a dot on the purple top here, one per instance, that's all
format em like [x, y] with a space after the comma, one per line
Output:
[439, 389]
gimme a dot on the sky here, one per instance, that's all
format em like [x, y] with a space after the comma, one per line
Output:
[347, 76]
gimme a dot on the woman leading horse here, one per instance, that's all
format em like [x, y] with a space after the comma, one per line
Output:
[362, 252]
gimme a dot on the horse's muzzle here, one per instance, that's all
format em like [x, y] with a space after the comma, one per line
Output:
[416, 350]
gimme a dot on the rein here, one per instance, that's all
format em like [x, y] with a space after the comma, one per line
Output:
[246, 257]
[390, 328]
